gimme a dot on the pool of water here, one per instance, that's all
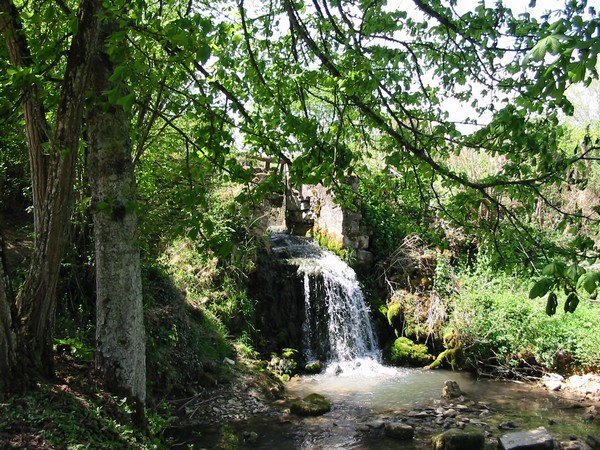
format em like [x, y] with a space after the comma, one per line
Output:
[364, 390]
[377, 388]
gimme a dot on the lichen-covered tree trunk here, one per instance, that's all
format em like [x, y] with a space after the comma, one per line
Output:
[53, 152]
[120, 346]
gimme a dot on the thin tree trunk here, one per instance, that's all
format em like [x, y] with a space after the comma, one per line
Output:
[9, 339]
[121, 344]
[36, 126]
[52, 173]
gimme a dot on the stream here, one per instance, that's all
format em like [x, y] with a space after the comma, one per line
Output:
[365, 397]
[365, 394]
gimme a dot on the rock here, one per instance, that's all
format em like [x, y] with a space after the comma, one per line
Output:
[313, 367]
[405, 351]
[451, 390]
[250, 437]
[508, 426]
[468, 438]
[450, 413]
[574, 445]
[311, 405]
[421, 414]
[376, 424]
[578, 381]
[553, 383]
[399, 431]
[228, 361]
[594, 410]
[593, 441]
[538, 439]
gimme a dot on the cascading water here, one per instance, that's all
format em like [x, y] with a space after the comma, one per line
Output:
[337, 324]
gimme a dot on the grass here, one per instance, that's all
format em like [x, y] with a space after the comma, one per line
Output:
[498, 322]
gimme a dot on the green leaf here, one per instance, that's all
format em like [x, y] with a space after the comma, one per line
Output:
[126, 101]
[203, 53]
[554, 269]
[589, 281]
[550, 44]
[540, 288]
[574, 271]
[571, 302]
[551, 304]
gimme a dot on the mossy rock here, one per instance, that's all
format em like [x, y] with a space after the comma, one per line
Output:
[313, 367]
[405, 351]
[395, 316]
[451, 354]
[455, 439]
[311, 405]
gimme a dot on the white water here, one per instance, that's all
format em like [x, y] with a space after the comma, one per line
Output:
[337, 325]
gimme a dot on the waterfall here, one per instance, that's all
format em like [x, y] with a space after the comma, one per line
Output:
[337, 324]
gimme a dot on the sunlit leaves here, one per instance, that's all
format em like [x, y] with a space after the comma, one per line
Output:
[570, 278]
[550, 44]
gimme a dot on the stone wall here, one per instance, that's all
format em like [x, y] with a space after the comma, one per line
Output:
[313, 209]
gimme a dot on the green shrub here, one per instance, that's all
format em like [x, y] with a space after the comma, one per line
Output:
[497, 321]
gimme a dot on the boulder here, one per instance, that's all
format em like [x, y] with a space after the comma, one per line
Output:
[468, 438]
[399, 431]
[405, 351]
[574, 445]
[538, 439]
[311, 405]
[451, 390]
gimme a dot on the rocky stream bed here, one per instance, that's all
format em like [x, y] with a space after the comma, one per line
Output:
[254, 412]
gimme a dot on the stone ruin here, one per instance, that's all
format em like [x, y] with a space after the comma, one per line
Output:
[312, 211]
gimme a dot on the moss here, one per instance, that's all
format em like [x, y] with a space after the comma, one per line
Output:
[313, 367]
[395, 316]
[405, 351]
[455, 439]
[450, 354]
[311, 405]
[330, 242]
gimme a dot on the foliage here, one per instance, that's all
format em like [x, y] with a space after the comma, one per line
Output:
[75, 348]
[208, 86]
[218, 288]
[185, 343]
[570, 279]
[76, 415]
[500, 327]
[394, 207]
[14, 173]
[285, 365]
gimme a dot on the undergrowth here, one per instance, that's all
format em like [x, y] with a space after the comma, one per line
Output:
[502, 330]
[76, 412]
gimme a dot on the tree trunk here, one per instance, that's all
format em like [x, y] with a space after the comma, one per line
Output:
[52, 173]
[120, 346]
[9, 340]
